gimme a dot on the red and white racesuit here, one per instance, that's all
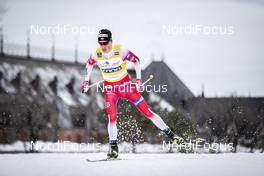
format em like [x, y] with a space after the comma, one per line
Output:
[113, 67]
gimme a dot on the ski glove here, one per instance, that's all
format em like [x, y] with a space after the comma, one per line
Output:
[139, 85]
[85, 86]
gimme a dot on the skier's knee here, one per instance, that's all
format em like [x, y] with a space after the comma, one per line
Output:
[110, 110]
[148, 113]
[144, 109]
[112, 118]
[111, 114]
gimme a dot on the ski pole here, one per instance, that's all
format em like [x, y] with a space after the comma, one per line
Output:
[150, 78]
[92, 85]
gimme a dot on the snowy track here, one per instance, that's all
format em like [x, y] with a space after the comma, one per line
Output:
[137, 164]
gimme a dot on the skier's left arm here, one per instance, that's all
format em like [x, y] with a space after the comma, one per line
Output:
[128, 55]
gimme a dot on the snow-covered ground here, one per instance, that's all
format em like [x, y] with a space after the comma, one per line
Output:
[124, 147]
[136, 164]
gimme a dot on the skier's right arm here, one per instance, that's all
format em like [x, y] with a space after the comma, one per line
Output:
[89, 67]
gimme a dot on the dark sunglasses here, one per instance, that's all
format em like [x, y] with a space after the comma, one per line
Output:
[103, 43]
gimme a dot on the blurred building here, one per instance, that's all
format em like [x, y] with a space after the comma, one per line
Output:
[177, 92]
[41, 100]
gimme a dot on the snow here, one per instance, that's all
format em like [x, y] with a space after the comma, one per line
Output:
[136, 164]
[124, 147]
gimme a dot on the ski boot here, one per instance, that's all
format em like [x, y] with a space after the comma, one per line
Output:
[113, 154]
[174, 139]
[177, 140]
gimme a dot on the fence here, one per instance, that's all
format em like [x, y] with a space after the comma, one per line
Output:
[28, 51]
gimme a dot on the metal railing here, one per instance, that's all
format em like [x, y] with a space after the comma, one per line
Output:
[47, 53]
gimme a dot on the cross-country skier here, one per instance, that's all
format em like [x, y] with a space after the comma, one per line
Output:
[111, 59]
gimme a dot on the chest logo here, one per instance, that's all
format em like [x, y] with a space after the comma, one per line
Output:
[116, 53]
[111, 70]
[99, 55]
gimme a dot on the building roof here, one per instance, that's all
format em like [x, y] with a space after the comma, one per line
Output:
[164, 75]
